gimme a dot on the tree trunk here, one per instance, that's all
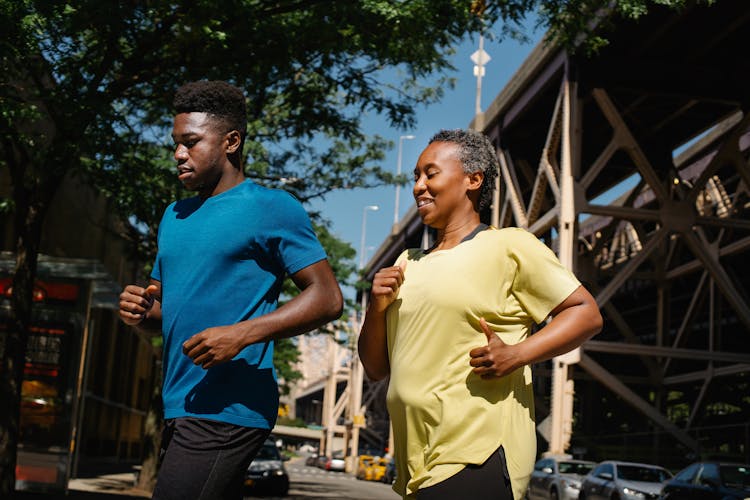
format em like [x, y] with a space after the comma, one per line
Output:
[28, 220]
[152, 435]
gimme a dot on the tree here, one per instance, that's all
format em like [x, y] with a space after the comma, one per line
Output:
[86, 85]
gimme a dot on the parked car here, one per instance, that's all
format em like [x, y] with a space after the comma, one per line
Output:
[321, 461]
[390, 471]
[312, 460]
[267, 473]
[614, 480]
[709, 480]
[557, 478]
[362, 466]
[373, 469]
[335, 463]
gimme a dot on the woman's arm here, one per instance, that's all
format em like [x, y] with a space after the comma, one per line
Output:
[574, 321]
[373, 348]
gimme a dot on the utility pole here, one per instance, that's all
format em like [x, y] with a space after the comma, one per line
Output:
[480, 58]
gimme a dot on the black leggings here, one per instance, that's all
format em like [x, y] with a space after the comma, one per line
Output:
[489, 481]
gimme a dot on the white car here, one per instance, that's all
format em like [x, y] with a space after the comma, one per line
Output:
[557, 478]
[335, 463]
[613, 480]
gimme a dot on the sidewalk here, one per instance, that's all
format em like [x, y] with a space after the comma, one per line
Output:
[110, 483]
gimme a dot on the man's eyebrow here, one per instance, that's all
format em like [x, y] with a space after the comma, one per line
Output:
[183, 135]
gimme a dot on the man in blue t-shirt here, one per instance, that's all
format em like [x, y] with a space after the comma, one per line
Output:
[213, 294]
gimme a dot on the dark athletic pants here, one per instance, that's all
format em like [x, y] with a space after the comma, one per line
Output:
[205, 459]
[489, 481]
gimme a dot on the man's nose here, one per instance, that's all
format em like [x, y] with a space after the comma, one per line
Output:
[180, 152]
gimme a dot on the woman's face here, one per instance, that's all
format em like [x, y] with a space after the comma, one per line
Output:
[440, 185]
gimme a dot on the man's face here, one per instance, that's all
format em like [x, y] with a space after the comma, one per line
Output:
[200, 151]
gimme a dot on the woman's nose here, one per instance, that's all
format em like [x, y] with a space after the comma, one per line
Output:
[419, 186]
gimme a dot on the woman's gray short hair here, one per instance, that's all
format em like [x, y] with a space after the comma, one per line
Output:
[476, 153]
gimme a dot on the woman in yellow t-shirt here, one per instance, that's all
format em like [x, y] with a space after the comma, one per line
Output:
[450, 325]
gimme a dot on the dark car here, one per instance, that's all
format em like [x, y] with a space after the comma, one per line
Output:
[614, 480]
[709, 480]
[557, 478]
[267, 474]
[390, 471]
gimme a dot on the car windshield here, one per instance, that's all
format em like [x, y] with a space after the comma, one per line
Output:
[268, 452]
[574, 468]
[735, 476]
[644, 474]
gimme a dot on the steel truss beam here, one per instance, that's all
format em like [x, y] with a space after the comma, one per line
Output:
[645, 230]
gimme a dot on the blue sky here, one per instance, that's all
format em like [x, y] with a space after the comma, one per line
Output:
[345, 208]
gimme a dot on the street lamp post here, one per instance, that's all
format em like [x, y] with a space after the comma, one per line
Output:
[398, 172]
[364, 226]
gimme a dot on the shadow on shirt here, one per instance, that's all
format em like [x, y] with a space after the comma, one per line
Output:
[234, 384]
[495, 390]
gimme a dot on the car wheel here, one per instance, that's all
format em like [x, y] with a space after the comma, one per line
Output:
[282, 490]
[553, 494]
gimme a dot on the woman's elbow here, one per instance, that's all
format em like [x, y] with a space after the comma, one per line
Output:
[596, 321]
[376, 375]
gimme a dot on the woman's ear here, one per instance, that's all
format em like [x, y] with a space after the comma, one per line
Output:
[475, 180]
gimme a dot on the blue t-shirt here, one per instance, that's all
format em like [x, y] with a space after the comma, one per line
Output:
[221, 261]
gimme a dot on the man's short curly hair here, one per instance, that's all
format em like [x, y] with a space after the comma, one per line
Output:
[477, 154]
[222, 101]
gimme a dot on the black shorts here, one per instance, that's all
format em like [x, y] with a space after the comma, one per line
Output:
[489, 481]
[205, 459]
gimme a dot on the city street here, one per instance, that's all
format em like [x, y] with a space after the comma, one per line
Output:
[306, 482]
[312, 482]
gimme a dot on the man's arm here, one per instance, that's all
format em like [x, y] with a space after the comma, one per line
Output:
[141, 307]
[318, 302]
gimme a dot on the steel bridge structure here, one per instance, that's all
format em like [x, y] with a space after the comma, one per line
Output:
[632, 164]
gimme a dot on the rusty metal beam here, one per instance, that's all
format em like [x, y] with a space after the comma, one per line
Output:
[722, 371]
[631, 145]
[664, 352]
[628, 395]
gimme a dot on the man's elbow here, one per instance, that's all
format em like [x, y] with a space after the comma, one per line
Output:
[334, 305]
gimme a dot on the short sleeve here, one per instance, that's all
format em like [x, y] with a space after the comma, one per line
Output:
[156, 271]
[541, 282]
[297, 245]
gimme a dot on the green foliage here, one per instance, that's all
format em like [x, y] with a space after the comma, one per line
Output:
[285, 355]
[291, 422]
[583, 25]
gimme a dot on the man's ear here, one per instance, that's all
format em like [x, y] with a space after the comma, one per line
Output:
[233, 141]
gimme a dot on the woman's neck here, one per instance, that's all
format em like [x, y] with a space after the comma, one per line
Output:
[454, 233]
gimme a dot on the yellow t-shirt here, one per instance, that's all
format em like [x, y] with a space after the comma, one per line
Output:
[444, 416]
